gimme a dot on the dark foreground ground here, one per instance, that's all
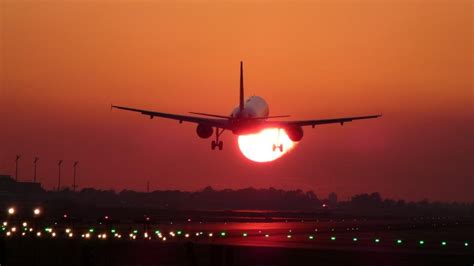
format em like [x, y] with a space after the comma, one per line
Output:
[433, 241]
[64, 252]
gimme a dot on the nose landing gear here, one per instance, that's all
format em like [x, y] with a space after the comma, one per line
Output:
[217, 143]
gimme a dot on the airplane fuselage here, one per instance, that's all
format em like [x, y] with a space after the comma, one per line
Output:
[244, 120]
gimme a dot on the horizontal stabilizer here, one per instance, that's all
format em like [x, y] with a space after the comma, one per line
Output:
[211, 115]
[229, 117]
[269, 117]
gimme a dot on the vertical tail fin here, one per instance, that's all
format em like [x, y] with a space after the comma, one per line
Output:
[241, 103]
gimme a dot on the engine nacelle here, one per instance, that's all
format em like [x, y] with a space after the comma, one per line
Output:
[204, 131]
[295, 133]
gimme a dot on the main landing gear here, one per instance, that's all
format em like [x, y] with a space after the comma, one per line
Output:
[280, 147]
[217, 143]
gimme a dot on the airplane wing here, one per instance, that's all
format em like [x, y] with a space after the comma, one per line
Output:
[313, 123]
[220, 123]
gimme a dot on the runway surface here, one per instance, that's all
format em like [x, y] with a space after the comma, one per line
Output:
[427, 234]
[354, 241]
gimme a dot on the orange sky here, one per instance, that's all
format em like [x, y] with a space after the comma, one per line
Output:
[64, 62]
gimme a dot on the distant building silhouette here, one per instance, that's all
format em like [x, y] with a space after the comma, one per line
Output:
[11, 189]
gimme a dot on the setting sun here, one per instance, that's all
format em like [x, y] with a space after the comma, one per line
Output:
[260, 147]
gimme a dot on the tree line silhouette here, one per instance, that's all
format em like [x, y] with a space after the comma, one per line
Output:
[251, 199]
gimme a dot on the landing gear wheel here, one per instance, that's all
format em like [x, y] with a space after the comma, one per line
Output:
[217, 143]
[280, 147]
[213, 145]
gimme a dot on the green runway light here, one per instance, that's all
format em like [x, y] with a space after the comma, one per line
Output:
[91, 230]
[421, 242]
[443, 243]
[466, 244]
[157, 232]
[333, 238]
[113, 231]
[311, 237]
[3, 229]
[355, 239]
[135, 231]
[223, 234]
[47, 229]
[244, 234]
[399, 241]
[377, 240]
[179, 232]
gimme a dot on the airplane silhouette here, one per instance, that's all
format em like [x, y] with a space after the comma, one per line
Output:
[251, 116]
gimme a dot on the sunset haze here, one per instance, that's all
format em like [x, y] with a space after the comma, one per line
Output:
[63, 63]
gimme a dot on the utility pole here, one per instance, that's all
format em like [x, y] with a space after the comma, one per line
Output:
[59, 174]
[16, 166]
[34, 174]
[74, 176]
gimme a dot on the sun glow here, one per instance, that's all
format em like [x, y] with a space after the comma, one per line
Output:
[260, 147]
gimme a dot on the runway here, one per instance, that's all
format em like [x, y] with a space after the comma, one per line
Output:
[354, 241]
[430, 234]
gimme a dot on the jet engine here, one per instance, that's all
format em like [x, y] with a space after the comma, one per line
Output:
[295, 133]
[204, 131]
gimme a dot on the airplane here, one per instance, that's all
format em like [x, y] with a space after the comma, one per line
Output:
[251, 116]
